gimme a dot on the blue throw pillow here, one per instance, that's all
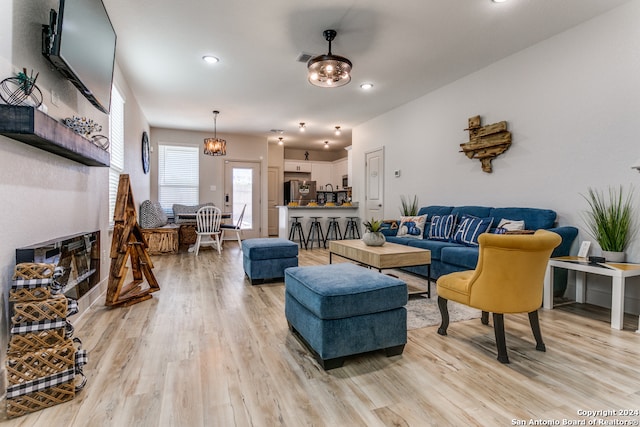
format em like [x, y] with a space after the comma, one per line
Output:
[442, 227]
[470, 228]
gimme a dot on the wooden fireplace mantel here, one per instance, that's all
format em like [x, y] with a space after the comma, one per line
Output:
[33, 127]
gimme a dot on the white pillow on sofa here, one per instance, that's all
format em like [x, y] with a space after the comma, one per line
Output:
[412, 227]
[511, 224]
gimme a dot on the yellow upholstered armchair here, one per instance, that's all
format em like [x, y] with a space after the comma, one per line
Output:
[508, 279]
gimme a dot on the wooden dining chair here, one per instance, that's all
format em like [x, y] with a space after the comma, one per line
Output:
[237, 227]
[208, 228]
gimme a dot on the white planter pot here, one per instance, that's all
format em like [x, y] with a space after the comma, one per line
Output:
[373, 239]
[613, 256]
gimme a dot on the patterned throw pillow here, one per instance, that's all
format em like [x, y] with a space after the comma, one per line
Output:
[442, 227]
[509, 225]
[412, 226]
[152, 215]
[470, 228]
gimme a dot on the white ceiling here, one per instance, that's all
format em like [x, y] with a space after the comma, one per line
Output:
[406, 48]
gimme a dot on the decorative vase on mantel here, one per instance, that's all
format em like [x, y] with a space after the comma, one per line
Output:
[611, 256]
[373, 238]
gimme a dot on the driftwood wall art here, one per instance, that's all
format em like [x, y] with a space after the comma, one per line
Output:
[486, 142]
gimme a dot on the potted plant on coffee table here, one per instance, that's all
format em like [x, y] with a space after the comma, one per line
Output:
[610, 221]
[372, 235]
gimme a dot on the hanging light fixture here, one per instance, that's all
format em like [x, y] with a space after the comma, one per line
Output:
[329, 70]
[302, 127]
[326, 144]
[280, 142]
[337, 130]
[214, 146]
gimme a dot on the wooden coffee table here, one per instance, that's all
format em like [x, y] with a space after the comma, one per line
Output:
[390, 255]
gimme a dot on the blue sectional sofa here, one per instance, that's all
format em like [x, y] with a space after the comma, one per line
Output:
[448, 257]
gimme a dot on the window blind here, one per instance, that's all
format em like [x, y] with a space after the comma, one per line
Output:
[116, 144]
[178, 176]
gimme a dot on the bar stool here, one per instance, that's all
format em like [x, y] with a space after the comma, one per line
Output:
[296, 226]
[352, 231]
[315, 231]
[334, 227]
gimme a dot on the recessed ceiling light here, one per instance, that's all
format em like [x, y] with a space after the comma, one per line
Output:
[210, 59]
[326, 144]
[499, 1]
[366, 86]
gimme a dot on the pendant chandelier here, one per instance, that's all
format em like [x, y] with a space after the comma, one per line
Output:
[214, 146]
[329, 70]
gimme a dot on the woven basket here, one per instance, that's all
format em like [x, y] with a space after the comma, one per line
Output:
[32, 341]
[38, 365]
[33, 270]
[38, 311]
[40, 272]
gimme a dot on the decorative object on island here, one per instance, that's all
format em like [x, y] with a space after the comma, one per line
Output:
[215, 146]
[44, 362]
[128, 242]
[21, 90]
[486, 142]
[373, 236]
[610, 221]
[329, 70]
[145, 152]
[409, 206]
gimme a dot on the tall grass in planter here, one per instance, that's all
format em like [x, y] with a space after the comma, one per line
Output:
[610, 220]
[409, 207]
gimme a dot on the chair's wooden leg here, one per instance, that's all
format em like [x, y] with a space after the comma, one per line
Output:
[197, 245]
[444, 313]
[501, 344]
[218, 244]
[485, 318]
[239, 240]
[535, 327]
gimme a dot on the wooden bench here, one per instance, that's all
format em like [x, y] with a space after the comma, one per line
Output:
[162, 240]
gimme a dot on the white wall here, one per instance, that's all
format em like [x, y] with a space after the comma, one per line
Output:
[572, 104]
[239, 148]
[43, 195]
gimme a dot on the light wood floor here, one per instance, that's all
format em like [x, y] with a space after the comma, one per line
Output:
[211, 350]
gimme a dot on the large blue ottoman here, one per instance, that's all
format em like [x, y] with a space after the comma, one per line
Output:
[265, 259]
[342, 309]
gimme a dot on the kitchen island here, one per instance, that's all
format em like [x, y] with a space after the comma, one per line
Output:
[306, 212]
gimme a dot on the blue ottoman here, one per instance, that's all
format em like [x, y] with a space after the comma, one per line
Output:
[342, 309]
[265, 258]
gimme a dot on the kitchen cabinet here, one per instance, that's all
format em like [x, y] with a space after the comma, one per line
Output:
[297, 166]
[339, 169]
[321, 174]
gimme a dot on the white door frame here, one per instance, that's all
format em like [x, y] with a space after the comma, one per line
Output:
[370, 210]
[256, 214]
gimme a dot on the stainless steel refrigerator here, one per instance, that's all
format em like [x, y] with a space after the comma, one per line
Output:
[299, 191]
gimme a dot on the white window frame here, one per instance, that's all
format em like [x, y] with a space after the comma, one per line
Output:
[178, 175]
[116, 147]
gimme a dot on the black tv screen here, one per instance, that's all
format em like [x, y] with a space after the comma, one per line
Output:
[81, 43]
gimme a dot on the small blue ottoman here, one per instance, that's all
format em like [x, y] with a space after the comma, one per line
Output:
[266, 258]
[342, 309]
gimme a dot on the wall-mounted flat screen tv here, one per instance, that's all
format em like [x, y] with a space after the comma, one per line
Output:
[81, 43]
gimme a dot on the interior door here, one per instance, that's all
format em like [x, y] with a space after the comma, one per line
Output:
[242, 186]
[273, 195]
[374, 184]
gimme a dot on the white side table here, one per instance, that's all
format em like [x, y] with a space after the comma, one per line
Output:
[617, 271]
